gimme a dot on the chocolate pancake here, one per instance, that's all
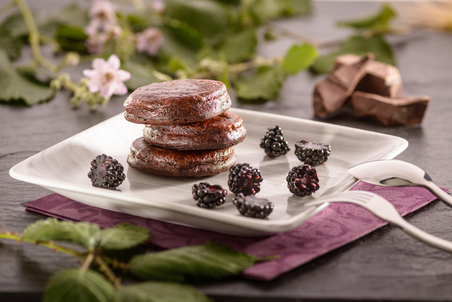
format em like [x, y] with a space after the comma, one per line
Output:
[222, 131]
[177, 102]
[179, 163]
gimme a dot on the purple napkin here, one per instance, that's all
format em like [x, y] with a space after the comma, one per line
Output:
[335, 226]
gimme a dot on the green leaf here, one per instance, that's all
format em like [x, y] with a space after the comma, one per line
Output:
[82, 233]
[201, 262]
[161, 292]
[140, 74]
[10, 44]
[15, 25]
[71, 32]
[78, 285]
[238, 46]
[207, 17]
[224, 77]
[137, 22]
[185, 32]
[71, 38]
[15, 87]
[299, 57]
[265, 10]
[173, 46]
[71, 15]
[264, 85]
[123, 236]
[358, 45]
[379, 22]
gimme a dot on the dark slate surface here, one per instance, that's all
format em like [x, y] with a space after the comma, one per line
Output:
[386, 265]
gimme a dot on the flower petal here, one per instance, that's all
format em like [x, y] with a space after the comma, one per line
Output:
[105, 91]
[120, 88]
[113, 62]
[123, 75]
[99, 64]
[90, 73]
[93, 86]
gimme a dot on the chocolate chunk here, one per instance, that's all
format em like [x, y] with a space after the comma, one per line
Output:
[331, 94]
[348, 75]
[403, 111]
[382, 79]
[346, 60]
[328, 98]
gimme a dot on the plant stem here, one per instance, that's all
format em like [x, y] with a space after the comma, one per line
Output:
[108, 272]
[87, 262]
[34, 36]
[302, 38]
[50, 244]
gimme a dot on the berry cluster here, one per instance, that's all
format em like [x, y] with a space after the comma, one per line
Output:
[208, 196]
[252, 206]
[244, 179]
[274, 143]
[106, 172]
[302, 180]
[312, 153]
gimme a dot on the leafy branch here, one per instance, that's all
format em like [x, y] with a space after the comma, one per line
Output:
[202, 39]
[163, 272]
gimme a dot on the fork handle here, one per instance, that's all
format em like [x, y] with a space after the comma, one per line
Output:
[423, 236]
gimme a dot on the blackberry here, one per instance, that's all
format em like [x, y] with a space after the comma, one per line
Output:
[273, 142]
[303, 180]
[106, 172]
[208, 196]
[312, 153]
[252, 206]
[244, 179]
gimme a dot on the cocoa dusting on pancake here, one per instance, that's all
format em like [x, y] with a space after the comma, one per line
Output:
[222, 131]
[177, 102]
[179, 163]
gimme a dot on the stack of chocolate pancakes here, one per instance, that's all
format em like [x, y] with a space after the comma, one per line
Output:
[188, 131]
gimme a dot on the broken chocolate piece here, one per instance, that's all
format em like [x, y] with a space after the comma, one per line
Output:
[328, 98]
[348, 76]
[408, 110]
[382, 79]
[348, 59]
[331, 94]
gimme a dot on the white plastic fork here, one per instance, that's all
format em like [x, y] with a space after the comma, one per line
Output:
[386, 211]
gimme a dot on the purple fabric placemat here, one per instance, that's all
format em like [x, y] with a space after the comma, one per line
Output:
[335, 226]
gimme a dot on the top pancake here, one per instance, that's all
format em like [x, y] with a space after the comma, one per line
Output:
[177, 102]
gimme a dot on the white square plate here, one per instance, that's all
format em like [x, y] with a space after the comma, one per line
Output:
[63, 168]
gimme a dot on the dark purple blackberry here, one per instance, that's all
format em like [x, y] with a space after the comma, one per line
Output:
[252, 206]
[208, 196]
[312, 153]
[244, 179]
[106, 172]
[273, 142]
[303, 180]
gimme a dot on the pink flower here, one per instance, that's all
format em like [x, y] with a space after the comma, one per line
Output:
[106, 77]
[149, 41]
[102, 14]
[158, 6]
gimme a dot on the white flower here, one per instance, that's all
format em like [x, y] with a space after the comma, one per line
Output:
[106, 77]
[149, 41]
